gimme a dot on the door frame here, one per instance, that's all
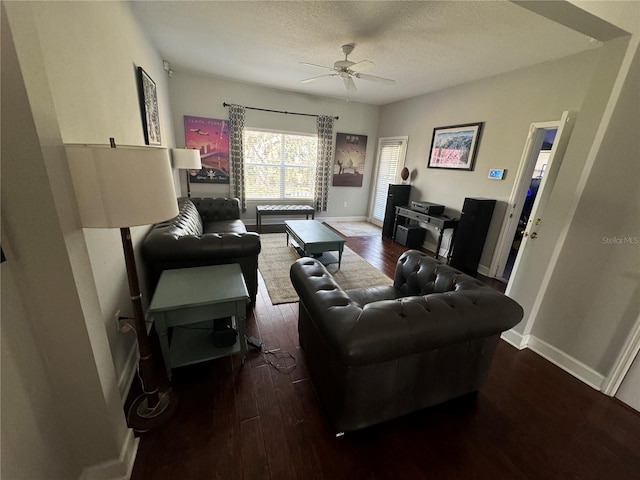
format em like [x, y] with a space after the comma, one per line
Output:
[527, 164]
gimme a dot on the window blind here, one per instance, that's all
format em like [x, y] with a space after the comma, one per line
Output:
[279, 165]
[389, 157]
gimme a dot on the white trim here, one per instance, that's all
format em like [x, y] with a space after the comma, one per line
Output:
[623, 362]
[126, 376]
[513, 338]
[119, 469]
[360, 218]
[566, 362]
[517, 198]
[279, 220]
[484, 270]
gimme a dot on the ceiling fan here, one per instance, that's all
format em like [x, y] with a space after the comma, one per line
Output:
[347, 70]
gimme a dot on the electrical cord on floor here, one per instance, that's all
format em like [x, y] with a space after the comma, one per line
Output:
[260, 347]
[158, 409]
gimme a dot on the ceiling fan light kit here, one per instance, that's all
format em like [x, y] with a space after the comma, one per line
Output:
[348, 70]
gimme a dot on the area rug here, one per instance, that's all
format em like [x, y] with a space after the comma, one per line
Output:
[276, 258]
[356, 229]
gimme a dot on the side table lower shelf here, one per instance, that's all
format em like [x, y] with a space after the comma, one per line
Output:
[194, 344]
[186, 303]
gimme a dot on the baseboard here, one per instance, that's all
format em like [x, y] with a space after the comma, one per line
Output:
[279, 220]
[342, 219]
[126, 376]
[484, 270]
[566, 362]
[119, 469]
[513, 338]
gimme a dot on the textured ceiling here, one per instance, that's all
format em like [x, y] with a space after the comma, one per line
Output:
[423, 45]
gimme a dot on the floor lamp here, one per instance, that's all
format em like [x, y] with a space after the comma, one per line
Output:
[186, 158]
[121, 188]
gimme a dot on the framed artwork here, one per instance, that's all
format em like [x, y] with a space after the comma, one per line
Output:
[348, 166]
[455, 147]
[149, 108]
[211, 137]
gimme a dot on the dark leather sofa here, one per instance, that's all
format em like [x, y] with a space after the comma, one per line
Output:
[381, 352]
[207, 231]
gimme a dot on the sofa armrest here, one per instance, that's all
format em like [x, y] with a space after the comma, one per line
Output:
[334, 313]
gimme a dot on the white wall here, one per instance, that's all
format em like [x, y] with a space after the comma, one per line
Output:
[30, 424]
[197, 95]
[599, 264]
[507, 104]
[91, 71]
[71, 79]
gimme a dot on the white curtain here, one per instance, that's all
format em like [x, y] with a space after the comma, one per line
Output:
[236, 153]
[325, 161]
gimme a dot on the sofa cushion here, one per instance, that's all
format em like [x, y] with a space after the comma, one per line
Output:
[363, 296]
[226, 226]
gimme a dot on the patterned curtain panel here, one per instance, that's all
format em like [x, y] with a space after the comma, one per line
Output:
[325, 161]
[236, 149]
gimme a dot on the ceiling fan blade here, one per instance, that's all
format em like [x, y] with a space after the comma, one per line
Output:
[363, 65]
[350, 84]
[315, 65]
[313, 79]
[373, 78]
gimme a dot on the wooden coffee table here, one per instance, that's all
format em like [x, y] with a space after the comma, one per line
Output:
[314, 238]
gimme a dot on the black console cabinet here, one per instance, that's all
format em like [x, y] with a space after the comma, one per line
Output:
[397, 196]
[471, 234]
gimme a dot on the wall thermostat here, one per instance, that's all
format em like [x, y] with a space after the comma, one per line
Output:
[496, 173]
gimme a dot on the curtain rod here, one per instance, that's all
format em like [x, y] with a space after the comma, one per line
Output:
[225, 104]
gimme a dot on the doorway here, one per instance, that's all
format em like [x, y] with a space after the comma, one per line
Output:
[539, 168]
[535, 179]
[391, 155]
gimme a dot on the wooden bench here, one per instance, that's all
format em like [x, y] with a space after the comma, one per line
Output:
[261, 210]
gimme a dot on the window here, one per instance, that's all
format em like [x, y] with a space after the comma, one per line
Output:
[279, 165]
[391, 152]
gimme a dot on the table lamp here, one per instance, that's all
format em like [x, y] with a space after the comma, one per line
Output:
[186, 158]
[121, 188]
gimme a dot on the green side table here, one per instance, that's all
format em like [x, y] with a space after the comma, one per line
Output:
[184, 306]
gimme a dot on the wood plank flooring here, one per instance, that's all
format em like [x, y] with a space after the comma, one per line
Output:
[531, 420]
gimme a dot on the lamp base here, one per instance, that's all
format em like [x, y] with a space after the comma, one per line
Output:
[142, 418]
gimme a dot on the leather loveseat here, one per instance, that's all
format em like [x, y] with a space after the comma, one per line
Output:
[207, 231]
[381, 352]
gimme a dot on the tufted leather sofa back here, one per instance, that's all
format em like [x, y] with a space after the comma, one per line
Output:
[217, 209]
[419, 274]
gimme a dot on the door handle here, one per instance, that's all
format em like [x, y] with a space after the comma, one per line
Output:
[533, 235]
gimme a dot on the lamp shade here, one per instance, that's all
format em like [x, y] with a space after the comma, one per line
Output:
[122, 187]
[186, 158]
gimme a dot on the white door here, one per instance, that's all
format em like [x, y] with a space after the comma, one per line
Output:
[526, 279]
[391, 155]
[536, 151]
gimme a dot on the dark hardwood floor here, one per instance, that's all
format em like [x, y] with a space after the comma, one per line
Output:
[531, 420]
